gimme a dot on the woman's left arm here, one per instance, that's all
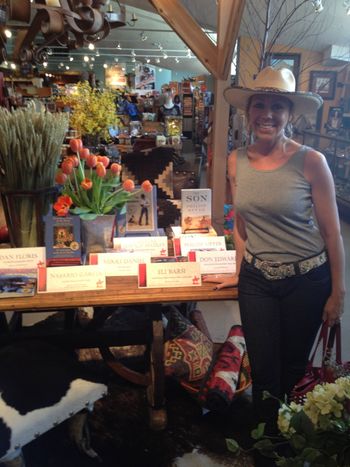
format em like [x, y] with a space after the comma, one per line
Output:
[324, 199]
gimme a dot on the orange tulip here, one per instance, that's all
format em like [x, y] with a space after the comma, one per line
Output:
[91, 161]
[128, 185]
[116, 168]
[73, 159]
[86, 184]
[104, 160]
[67, 167]
[61, 178]
[100, 170]
[76, 144]
[84, 153]
[147, 186]
[62, 205]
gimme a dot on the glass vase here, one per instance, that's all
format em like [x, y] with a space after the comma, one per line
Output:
[24, 213]
[97, 234]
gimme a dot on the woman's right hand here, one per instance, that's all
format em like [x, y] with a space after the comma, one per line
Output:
[222, 280]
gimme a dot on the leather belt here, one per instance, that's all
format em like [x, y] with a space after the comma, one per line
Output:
[274, 270]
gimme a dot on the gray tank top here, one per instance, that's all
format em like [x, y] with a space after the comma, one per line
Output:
[276, 206]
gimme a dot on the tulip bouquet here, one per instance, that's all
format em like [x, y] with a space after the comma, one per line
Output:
[91, 186]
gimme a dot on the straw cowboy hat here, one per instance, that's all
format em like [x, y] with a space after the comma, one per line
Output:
[279, 82]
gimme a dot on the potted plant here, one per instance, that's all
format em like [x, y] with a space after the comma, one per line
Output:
[92, 189]
[30, 148]
[316, 432]
[93, 112]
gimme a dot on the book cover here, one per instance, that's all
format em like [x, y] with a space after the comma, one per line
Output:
[62, 240]
[196, 215]
[141, 213]
[17, 283]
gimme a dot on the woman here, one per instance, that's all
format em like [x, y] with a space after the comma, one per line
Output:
[290, 255]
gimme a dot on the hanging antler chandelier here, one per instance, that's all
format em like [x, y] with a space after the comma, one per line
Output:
[67, 23]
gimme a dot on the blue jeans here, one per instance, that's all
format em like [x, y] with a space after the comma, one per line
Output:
[280, 320]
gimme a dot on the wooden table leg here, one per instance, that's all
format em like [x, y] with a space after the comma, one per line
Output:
[155, 390]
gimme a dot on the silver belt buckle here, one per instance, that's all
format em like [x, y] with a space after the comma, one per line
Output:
[276, 270]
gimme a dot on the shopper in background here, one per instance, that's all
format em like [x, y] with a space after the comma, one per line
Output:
[289, 250]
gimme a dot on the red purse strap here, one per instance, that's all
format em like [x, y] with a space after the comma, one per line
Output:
[335, 337]
[323, 336]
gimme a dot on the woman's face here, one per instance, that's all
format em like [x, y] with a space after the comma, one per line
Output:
[269, 115]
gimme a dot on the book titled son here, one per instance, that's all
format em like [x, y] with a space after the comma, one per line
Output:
[196, 215]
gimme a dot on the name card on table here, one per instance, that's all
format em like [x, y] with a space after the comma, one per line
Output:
[184, 244]
[156, 246]
[120, 264]
[71, 279]
[169, 275]
[22, 258]
[215, 262]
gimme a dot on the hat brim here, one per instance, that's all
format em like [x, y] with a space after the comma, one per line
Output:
[303, 102]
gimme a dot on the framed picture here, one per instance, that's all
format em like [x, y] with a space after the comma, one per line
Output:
[323, 83]
[335, 118]
[141, 213]
[285, 60]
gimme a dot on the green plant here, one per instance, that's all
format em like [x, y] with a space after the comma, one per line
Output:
[89, 188]
[30, 148]
[317, 432]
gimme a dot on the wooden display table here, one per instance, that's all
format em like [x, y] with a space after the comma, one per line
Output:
[119, 291]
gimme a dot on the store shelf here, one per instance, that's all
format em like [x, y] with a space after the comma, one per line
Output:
[337, 153]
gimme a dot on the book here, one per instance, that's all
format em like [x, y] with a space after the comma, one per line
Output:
[196, 215]
[175, 231]
[141, 213]
[62, 240]
[17, 283]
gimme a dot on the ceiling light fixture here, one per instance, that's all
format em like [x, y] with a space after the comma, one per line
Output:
[143, 36]
[119, 46]
[71, 59]
[147, 60]
[8, 33]
[91, 46]
[132, 53]
[346, 5]
[71, 26]
[86, 58]
[157, 60]
[177, 60]
[116, 59]
[105, 65]
[97, 53]
[165, 56]
[317, 4]
[133, 20]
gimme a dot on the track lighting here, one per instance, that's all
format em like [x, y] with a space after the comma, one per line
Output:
[317, 4]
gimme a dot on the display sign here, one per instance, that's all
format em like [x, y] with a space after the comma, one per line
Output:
[115, 76]
[169, 275]
[145, 77]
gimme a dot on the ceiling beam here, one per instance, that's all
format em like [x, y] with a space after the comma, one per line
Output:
[174, 13]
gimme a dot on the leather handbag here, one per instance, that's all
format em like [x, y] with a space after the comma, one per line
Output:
[331, 367]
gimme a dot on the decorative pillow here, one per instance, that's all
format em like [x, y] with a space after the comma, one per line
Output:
[188, 352]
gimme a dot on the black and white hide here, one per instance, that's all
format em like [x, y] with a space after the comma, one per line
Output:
[41, 385]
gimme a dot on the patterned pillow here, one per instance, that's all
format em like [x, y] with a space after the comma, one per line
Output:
[188, 352]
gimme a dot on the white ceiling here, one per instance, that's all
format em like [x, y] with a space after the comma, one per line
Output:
[308, 30]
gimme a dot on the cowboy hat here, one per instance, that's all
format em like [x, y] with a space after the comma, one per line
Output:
[280, 82]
